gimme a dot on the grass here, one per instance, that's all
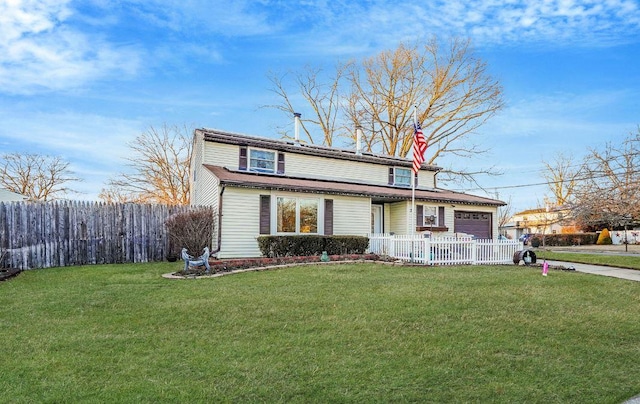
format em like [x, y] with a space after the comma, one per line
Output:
[614, 260]
[343, 333]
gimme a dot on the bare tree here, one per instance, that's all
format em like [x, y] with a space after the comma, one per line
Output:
[39, 177]
[505, 213]
[111, 194]
[561, 174]
[610, 191]
[159, 168]
[322, 98]
[451, 88]
[385, 88]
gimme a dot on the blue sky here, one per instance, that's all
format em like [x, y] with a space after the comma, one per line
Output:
[80, 79]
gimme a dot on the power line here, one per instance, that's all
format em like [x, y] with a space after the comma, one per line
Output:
[588, 177]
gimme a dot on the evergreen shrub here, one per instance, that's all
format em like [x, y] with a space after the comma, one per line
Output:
[306, 245]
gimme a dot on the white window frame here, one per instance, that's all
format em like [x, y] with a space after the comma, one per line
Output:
[250, 160]
[298, 199]
[396, 177]
[427, 212]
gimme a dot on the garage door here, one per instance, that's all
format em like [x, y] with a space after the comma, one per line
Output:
[476, 223]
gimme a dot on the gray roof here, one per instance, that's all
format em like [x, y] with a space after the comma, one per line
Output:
[378, 193]
[289, 146]
[8, 196]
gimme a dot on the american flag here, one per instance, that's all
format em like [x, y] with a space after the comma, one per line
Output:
[419, 147]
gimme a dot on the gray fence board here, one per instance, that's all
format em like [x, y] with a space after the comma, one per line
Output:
[53, 234]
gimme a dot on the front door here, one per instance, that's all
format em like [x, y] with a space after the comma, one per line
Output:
[376, 219]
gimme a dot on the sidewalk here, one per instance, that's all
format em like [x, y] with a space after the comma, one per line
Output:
[622, 273]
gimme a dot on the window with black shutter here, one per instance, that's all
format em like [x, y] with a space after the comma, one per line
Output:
[242, 163]
[419, 216]
[265, 214]
[280, 163]
[328, 217]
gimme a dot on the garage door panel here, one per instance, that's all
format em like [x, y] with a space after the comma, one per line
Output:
[476, 223]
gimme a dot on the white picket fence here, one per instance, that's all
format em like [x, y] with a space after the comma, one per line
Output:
[444, 250]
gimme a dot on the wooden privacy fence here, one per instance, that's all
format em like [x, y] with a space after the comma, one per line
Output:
[444, 250]
[53, 234]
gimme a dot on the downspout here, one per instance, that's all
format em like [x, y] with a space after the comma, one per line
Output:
[217, 250]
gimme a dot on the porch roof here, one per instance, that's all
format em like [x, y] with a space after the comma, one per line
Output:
[378, 193]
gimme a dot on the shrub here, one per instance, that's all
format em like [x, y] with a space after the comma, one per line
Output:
[569, 239]
[191, 230]
[536, 241]
[604, 238]
[306, 245]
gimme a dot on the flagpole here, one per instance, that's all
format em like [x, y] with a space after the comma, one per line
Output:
[413, 176]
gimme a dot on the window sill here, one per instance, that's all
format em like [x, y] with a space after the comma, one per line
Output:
[432, 228]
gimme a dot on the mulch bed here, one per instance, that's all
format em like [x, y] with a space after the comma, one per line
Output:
[229, 266]
[234, 265]
[9, 273]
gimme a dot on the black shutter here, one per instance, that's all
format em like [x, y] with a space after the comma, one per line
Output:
[415, 178]
[242, 163]
[441, 216]
[390, 175]
[419, 215]
[280, 163]
[265, 214]
[328, 217]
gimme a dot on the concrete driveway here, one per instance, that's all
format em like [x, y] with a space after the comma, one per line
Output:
[622, 273]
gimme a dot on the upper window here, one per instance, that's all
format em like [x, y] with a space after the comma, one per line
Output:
[402, 177]
[262, 161]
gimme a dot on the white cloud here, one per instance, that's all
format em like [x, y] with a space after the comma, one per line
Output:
[40, 52]
[383, 23]
[230, 18]
[95, 145]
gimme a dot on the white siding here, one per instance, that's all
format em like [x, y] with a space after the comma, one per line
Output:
[204, 185]
[240, 227]
[426, 179]
[301, 165]
[387, 218]
[399, 220]
[220, 154]
[206, 193]
[195, 167]
[351, 215]
[332, 169]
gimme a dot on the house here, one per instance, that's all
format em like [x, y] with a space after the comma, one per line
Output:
[261, 186]
[8, 196]
[551, 220]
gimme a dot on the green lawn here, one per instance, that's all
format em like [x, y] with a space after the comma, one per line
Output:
[614, 260]
[343, 333]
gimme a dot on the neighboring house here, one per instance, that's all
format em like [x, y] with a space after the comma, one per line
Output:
[261, 186]
[539, 221]
[8, 196]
